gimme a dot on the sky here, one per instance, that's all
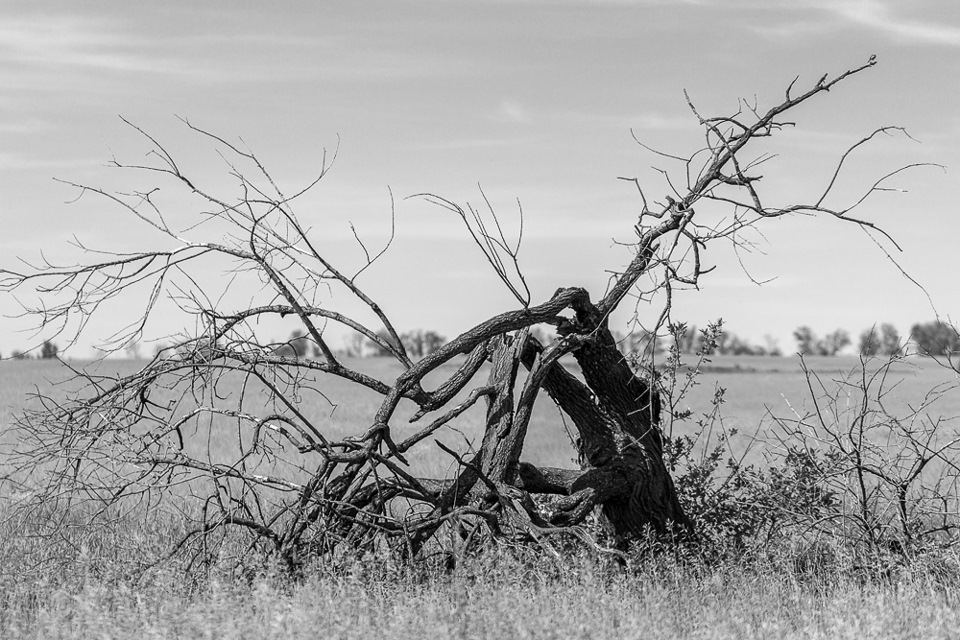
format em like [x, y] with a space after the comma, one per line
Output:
[536, 101]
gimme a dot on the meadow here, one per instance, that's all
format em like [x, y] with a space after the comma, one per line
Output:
[90, 584]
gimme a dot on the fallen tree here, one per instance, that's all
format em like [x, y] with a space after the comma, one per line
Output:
[287, 481]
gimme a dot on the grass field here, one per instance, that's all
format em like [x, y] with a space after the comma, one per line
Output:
[83, 585]
[655, 602]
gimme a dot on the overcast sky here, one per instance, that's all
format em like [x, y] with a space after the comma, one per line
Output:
[531, 100]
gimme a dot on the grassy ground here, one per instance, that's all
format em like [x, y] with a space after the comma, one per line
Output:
[500, 600]
[92, 585]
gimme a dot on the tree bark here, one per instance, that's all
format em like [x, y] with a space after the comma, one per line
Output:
[617, 417]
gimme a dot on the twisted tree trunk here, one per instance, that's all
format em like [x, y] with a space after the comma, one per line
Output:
[617, 416]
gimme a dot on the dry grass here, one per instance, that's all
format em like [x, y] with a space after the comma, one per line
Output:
[505, 599]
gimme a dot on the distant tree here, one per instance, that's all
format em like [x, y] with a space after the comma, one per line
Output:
[869, 343]
[419, 343]
[432, 341]
[414, 343]
[884, 342]
[20, 355]
[806, 339]
[890, 343]
[935, 338]
[829, 345]
[48, 350]
[737, 346]
[833, 343]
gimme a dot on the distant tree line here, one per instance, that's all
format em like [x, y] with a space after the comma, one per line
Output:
[48, 351]
[417, 343]
[689, 340]
[934, 338]
[725, 343]
[883, 342]
[830, 345]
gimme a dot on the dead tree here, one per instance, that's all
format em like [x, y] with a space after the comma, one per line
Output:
[305, 490]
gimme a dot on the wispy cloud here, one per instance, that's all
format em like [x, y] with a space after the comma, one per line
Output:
[31, 45]
[882, 17]
[69, 41]
[510, 111]
[915, 23]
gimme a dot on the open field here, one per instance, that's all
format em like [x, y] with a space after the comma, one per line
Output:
[757, 388]
[95, 593]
